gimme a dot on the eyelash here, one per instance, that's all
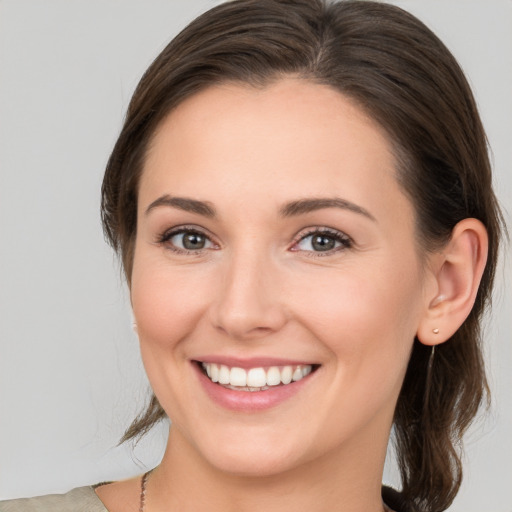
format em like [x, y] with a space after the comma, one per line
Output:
[165, 238]
[339, 237]
[344, 240]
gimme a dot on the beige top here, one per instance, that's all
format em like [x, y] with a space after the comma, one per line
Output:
[81, 499]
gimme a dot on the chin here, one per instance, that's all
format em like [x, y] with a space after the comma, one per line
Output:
[254, 465]
[255, 458]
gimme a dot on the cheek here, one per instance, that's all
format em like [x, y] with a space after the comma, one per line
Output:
[368, 291]
[368, 322]
[365, 314]
[166, 303]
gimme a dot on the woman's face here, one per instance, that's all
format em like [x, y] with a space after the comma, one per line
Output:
[273, 240]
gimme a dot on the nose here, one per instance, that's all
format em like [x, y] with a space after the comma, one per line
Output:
[249, 303]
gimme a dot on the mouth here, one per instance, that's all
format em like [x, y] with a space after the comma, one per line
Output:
[255, 379]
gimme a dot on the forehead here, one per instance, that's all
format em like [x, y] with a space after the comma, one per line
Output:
[292, 137]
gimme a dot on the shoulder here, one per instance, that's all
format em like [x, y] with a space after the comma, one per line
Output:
[81, 499]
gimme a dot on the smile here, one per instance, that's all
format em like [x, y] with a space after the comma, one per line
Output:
[251, 386]
[255, 379]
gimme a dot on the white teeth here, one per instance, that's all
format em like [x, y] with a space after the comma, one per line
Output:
[214, 372]
[297, 374]
[273, 376]
[224, 374]
[286, 375]
[255, 379]
[237, 377]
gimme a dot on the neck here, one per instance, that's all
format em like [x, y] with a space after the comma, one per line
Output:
[347, 479]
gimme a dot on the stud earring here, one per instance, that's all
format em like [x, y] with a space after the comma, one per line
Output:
[435, 331]
[134, 326]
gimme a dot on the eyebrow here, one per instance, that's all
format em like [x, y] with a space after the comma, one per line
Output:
[309, 205]
[294, 208]
[204, 208]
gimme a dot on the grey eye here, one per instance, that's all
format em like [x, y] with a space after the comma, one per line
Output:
[318, 242]
[190, 241]
[323, 241]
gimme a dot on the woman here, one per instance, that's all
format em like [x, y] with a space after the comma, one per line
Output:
[302, 200]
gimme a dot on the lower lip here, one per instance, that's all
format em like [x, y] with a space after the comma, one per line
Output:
[249, 401]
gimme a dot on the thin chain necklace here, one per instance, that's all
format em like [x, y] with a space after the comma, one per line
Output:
[143, 490]
[144, 481]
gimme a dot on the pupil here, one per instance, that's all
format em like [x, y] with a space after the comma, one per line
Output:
[323, 243]
[193, 241]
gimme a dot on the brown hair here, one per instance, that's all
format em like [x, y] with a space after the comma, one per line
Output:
[403, 76]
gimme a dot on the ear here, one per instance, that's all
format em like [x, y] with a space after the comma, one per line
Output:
[456, 272]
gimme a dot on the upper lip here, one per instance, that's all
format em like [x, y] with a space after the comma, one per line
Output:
[252, 362]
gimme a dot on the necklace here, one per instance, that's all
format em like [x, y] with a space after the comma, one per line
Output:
[144, 481]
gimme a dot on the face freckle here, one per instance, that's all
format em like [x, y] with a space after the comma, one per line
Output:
[271, 227]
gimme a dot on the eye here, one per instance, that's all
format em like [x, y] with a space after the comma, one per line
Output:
[186, 240]
[323, 241]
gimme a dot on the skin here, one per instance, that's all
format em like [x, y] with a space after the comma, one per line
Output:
[259, 288]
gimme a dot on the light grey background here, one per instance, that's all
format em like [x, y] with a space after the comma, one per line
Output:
[70, 375]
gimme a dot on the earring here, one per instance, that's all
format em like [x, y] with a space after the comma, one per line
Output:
[428, 383]
[134, 327]
[435, 331]
[429, 366]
